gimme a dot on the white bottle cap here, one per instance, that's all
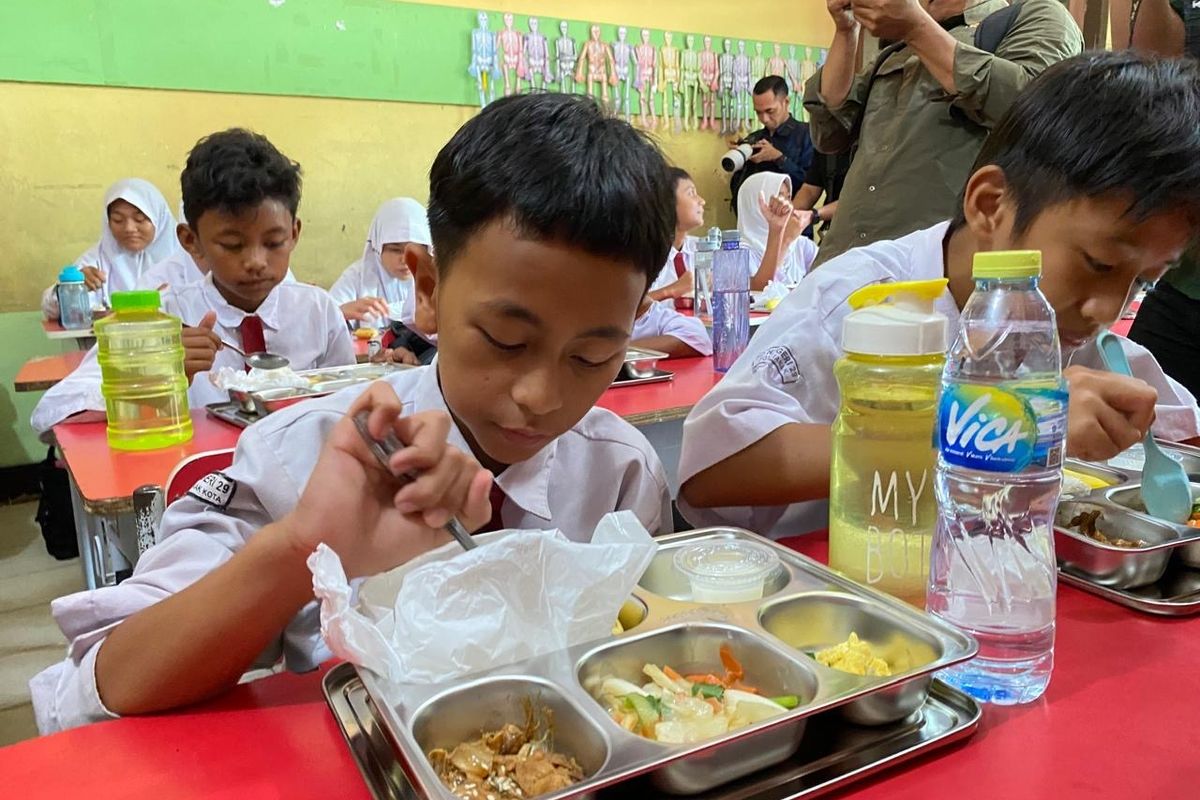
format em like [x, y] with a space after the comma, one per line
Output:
[896, 319]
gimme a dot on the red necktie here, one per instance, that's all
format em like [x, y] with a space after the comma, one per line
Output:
[496, 496]
[253, 340]
[680, 264]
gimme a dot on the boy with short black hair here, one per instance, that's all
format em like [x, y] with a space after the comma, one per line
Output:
[240, 196]
[549, 219]
[1097, 165]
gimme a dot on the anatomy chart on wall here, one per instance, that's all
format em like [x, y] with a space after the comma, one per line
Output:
[667, 81]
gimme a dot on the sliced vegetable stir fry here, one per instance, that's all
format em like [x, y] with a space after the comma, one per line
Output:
[678, 709]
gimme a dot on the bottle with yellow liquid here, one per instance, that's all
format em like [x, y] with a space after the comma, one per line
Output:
[882, 507]
[140, 350]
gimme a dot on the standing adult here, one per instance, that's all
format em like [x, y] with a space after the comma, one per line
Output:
[1168, 323]
[782, 144]
[915, 119]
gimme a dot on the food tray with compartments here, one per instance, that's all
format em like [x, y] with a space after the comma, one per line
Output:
[1146, 563]
[323, 381]
[805, 607]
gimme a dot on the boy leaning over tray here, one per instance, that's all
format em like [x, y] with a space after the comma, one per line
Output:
[549, 220]
[1097, 165]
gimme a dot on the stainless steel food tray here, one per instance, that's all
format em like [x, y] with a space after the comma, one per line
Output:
[833, 753]
[1175, 594]
[1171, 548]
[655, 376]
[640, 363]
[323, 381]
[806, 607]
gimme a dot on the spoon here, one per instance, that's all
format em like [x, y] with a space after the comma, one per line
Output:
[384, 450]
[259, 360]
[1165, 488]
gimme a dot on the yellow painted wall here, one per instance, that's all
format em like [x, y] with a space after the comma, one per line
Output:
[60, 146]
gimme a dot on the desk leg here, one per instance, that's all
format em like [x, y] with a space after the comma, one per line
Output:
[85, 538]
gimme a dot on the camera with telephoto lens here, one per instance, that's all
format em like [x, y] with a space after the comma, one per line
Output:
[736, 158]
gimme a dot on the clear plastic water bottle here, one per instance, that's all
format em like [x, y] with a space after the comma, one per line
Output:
[702, 273]
[1002, 423]
[74, 299]
[731, 301]
[140, 350]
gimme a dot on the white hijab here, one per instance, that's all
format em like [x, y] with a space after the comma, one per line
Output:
[400, 219]
[752, 226]
[121, 267]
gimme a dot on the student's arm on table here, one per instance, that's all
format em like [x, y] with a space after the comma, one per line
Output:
[197, 643]
[674, 348]
[681, 287]
[788, 465]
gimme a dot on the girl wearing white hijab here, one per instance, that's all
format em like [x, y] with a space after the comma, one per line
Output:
[380, 284]
[138, 231]
[771, 229]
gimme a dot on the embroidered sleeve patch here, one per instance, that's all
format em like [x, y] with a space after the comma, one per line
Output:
[215, 489]
[779, 364]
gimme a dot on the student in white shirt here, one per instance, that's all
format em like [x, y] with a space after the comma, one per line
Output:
[244, 239]
[138, 230]
[675, 280]
[377, 285]
[1074, 171]
[533, 290]
[660, 327]
[772, 230]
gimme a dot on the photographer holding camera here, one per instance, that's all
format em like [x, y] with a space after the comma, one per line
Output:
[914, 120]
[781, 145]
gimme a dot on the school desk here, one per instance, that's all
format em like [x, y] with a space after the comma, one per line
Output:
[1118, 722]
[103, 481]
[84, 337]
[40, 373]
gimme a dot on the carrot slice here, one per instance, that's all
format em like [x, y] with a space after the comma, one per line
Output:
[741, 687]
[733, 668]
[710, 679]
[671, 673]
[715, 703]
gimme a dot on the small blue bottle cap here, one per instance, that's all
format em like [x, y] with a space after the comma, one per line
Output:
[70, 274]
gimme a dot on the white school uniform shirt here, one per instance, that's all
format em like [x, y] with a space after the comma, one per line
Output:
[601, 464]
[661, 319]
[786, 375]
[666, 275]
[300, 322]
[121, 267]
[400, 219]
[753, 229]
[180, 269]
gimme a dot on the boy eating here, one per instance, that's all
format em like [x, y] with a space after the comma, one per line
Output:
[1097, 165]
[240, 195]
[541, 259]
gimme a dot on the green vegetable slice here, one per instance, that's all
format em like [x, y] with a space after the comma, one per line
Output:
[788, 701]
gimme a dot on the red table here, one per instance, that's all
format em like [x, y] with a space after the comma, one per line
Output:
[40, 373]
[647, 403]
[1119, 721]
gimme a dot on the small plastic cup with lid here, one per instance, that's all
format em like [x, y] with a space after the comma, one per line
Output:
[726, 571]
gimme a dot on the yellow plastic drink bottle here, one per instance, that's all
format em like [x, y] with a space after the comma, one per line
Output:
[882, 508]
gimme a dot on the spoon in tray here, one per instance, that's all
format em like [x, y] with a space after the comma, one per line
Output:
[1166, 491]
[384, 450]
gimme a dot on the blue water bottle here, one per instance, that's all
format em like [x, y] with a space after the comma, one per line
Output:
[74, 299]
[731, 301]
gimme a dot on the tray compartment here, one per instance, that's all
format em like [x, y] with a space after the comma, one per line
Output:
[811, 622]
[693, 648]
[463, 713]
[1108, 565]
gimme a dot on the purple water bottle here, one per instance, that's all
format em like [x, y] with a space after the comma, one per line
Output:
[731, 301]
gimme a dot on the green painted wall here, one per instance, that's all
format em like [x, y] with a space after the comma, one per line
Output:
[22, 334]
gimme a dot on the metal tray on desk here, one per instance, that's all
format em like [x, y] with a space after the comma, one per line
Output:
[833, 754]
[1176, 594]
[805, 607]
[655, 376]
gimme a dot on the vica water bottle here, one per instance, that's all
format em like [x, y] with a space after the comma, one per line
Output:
[140, 351]
[1002, 424]
[74, 299]
[731, 301]
[882, 509]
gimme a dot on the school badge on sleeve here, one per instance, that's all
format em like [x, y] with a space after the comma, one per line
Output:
[215, 489]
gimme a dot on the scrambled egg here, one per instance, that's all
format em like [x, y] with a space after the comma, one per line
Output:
[854, 656]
